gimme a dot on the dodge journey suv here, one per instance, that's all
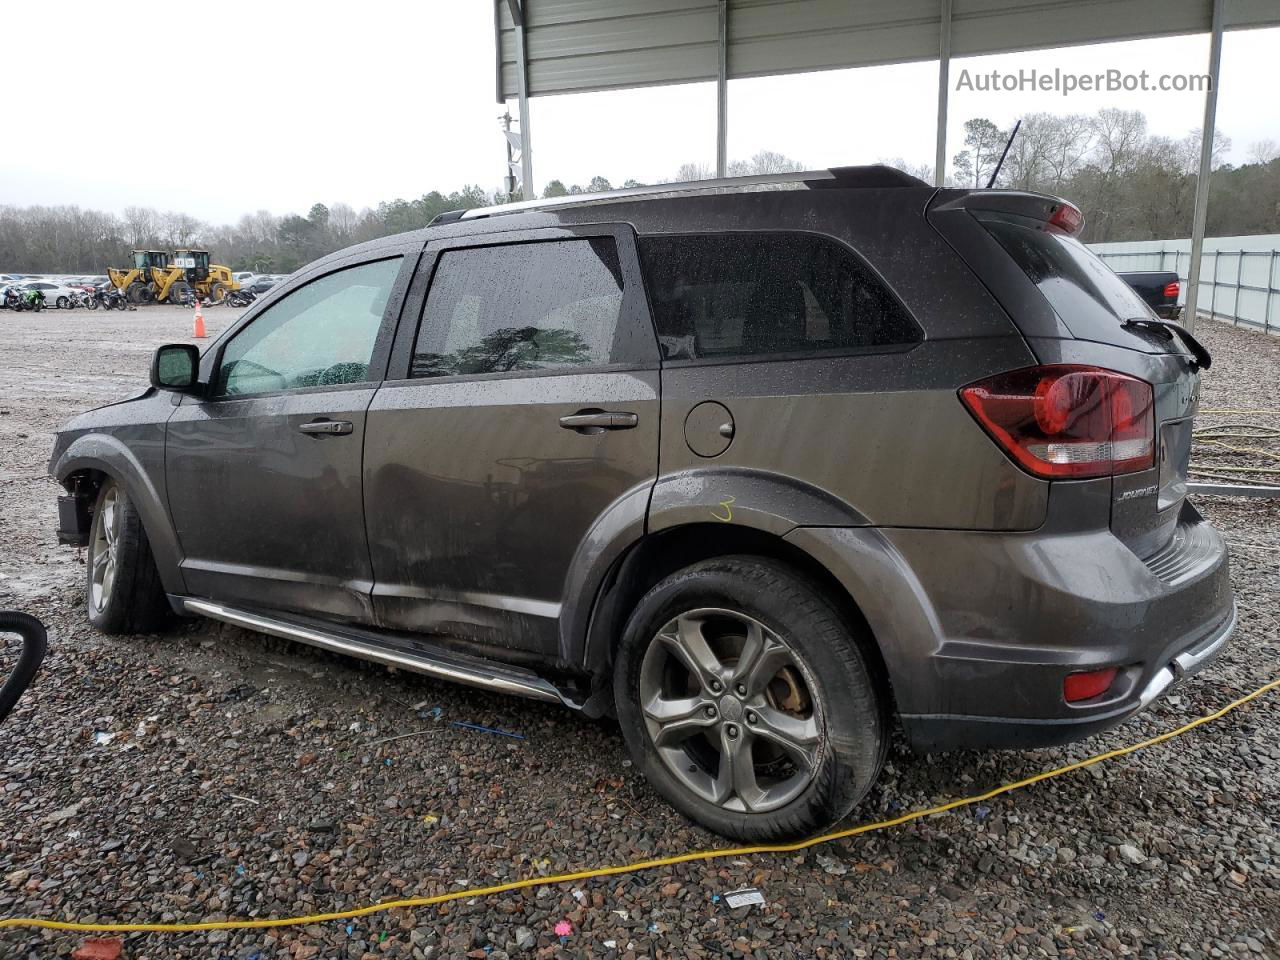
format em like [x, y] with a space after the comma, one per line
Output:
[761, 467]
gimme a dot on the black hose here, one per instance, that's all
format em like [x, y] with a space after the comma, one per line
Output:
[34, 644]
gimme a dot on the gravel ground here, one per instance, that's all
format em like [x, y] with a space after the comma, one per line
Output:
[244, 776]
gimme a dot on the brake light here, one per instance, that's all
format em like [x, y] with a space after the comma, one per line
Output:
[1065, 421]
[1086, 686]
[1066, 218]
[1171, 290]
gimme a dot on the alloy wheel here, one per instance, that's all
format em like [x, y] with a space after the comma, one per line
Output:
[105, 544]
[732, 711]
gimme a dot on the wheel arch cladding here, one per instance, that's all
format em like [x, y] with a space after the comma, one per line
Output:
[97, 453]
[653, 557]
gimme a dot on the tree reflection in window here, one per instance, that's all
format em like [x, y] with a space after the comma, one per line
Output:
[531, 306]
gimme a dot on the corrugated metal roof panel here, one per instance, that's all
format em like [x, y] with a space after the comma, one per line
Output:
[579, 45]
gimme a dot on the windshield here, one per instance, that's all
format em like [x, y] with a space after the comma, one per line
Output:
[1084, 292]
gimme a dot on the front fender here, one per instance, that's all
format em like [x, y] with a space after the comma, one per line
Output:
[140, 470]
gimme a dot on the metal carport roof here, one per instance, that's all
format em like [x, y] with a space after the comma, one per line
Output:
[571, 46]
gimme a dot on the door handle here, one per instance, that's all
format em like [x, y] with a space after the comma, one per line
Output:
[593, 421]
[338, 428]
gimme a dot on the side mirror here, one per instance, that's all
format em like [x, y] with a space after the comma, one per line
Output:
[175, 366]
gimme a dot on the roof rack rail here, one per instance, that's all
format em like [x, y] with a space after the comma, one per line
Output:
[875, 175]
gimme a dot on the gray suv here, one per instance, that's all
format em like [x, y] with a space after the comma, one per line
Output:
[760, 467]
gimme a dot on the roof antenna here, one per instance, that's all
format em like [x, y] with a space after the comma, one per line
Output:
[1008, 143]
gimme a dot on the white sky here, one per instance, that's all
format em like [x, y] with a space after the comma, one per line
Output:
[287, 104]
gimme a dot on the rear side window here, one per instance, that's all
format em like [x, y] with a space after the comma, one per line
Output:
[541, 305]
[736, 294]
[1083, 291]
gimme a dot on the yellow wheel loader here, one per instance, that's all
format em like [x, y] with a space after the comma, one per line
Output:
[169, 279]
[136, 282]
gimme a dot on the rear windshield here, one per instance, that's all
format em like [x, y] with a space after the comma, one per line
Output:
[1084, 292]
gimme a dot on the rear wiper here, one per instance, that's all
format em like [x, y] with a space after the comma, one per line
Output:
[1169, 328]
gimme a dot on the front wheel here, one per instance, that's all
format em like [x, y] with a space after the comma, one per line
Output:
[745, 698]
[62, 303]
[122, 587]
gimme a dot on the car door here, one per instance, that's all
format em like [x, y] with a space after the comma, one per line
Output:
[264, 471]
[520, 409]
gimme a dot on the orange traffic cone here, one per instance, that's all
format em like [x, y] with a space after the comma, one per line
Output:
[199, 334]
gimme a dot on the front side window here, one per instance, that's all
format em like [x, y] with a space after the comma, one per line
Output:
[542, 305]
[322, 334]
[736, 294]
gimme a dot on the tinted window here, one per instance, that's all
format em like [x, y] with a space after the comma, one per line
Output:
[524, 306]
[766, 293]
[320, 335]
[1082, 290]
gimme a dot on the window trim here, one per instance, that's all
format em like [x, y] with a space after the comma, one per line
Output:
[736, 358]
[407, 254]
[634, 312]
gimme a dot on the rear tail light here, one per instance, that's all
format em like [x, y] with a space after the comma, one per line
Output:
[1171, 290]
[1086, 686]
[1065, 421]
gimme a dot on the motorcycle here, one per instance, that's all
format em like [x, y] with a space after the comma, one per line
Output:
[111, 299]
[12, 297]
[239, 298]
[76, 299]
[32, 300]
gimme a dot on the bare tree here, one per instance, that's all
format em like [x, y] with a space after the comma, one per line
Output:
[693, 171]
[342, 221]
[180, 229]
[141, 226]
[1263, 151]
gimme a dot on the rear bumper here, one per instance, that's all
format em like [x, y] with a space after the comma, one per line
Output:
[931, 733]
[1168, 311]
[979, 630]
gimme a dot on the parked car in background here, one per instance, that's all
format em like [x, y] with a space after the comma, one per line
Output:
[245, 277]
[55, 294]
[728, 465]
[262, 284]
[1159, 289]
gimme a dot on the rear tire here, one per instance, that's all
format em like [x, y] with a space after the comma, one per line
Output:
[122, 586]
[780, 687]
[218, 293]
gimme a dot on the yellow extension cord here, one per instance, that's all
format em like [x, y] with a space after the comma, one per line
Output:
[630, 867]
[1209, 471]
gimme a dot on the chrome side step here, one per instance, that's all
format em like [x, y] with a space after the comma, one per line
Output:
[442, 664]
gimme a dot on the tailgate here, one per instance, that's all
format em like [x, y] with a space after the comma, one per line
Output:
[1145, 506]
[1056, 288]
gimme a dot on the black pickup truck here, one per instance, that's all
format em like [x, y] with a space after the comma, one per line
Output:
[1159, 288]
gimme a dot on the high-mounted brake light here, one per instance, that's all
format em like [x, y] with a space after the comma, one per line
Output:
[1171, 290]
[1066, 421]
[1067, 218]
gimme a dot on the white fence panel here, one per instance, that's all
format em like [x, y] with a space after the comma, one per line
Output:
[1239, 276]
